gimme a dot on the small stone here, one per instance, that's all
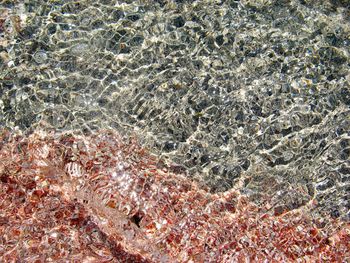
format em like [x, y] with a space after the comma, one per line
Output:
[40, 57]
[137, 40]
[179, 21]
[345, 96]
[116, 15]
[219, 40]
[170, 146]
[133, 17]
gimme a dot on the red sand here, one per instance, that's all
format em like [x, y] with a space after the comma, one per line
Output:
[102, 198]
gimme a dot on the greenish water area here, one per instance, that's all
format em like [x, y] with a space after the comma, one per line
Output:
[252, 95]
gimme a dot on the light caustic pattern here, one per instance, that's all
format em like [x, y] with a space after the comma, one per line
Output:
[103, 198]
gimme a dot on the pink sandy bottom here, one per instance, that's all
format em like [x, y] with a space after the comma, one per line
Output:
[102, 198]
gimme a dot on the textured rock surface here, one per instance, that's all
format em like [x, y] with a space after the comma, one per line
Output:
[245, 97]
[224, 89]
[102, 199]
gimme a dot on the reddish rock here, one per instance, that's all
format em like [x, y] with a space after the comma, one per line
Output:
[101, 198]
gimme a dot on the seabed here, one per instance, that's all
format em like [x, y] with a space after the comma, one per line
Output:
[175, 131]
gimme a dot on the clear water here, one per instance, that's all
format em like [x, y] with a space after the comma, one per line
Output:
[252, 95]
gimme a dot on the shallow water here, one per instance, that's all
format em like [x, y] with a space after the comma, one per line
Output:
[250, 95]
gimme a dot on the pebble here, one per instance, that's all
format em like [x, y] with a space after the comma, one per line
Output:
[40, 57]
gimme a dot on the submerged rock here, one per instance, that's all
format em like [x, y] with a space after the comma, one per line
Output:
[103, 198]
